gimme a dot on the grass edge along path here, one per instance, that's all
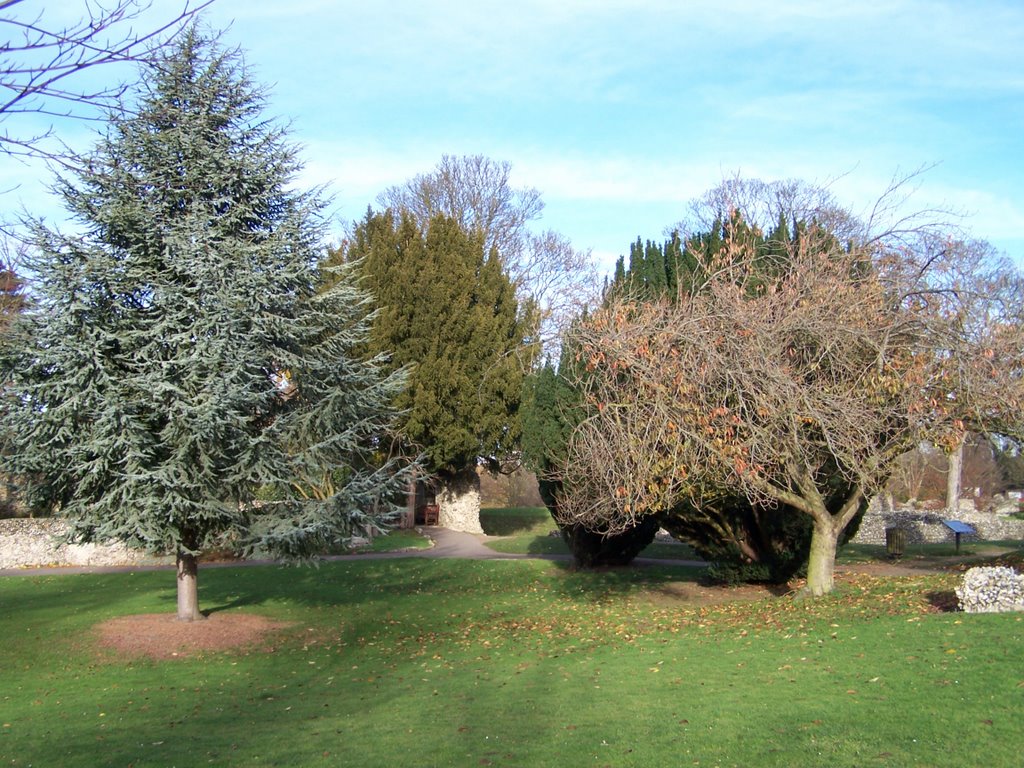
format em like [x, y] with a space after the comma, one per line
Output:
[429, 662]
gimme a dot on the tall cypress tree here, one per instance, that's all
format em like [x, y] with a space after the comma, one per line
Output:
[676, 261]
[178, 356]
[619, 276]
[655, 274]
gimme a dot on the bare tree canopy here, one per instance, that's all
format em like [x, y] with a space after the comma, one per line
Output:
[793, 377]
[475, 191]
[764, 203]
[478, 193]
[41, 64]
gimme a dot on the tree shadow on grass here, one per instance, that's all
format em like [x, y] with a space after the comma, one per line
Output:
[608, 582]
[944, 601]
[547, 544]
[52, 597]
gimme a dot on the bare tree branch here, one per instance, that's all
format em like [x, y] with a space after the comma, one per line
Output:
[798, 381]
[41, 66]
[478, 193]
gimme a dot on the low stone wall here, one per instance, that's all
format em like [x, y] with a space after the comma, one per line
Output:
[925, 526]
[991, 590]
[36, 542]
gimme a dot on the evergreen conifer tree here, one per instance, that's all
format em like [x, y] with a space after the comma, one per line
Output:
[620, 272]
[677, 260]
[655, 274]
[179, 357]
[448, 310]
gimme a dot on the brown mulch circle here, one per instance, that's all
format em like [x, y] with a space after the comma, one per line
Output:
[162, 636]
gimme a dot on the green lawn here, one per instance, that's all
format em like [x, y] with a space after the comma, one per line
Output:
[516, 521]
[397, 539]
[422, 662]
[924, 553]
[527, 530]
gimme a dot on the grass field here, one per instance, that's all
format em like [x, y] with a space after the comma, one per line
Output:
[423, 662]
[396, 540]
[527, 530]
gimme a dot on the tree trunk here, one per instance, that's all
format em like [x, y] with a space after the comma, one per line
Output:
[822, 563]
[188, 588]
[953, 475]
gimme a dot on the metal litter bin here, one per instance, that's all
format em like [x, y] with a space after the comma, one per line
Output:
[895, 541]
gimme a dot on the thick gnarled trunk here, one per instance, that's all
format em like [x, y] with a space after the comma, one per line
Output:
[822, 563]
[188, 587]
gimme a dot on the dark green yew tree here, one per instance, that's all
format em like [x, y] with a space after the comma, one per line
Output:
[177, 356]
[449, 312]
[550, 412]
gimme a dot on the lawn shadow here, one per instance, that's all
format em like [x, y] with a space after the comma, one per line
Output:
[944, 601]
[41, 599]
[703, 592]
[239, 602]
[327, 584]
[548, 544]
[515, 521]
[613, 582]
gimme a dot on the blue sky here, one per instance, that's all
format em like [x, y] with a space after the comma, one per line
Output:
[620, 112]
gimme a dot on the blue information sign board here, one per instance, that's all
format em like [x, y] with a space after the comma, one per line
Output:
[958, 528]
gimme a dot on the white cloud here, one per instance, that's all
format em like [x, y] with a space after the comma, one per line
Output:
[630, 108]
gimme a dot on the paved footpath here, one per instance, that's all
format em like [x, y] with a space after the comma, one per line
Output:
[446, 543]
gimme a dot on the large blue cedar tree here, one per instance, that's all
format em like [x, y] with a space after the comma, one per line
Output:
[179, 356]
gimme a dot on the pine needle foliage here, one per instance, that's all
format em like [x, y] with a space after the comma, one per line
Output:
[179, 356]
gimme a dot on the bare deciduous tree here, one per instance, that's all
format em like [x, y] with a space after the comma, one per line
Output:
[763, 203]
[478, 192]
[41, 65]
[914, 474]
[800, 391]
[475, 191]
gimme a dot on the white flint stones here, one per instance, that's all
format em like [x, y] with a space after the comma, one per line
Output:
[991, 590]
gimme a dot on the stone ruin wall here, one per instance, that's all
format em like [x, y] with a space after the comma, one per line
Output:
[924, 526]
[35, 542]
[459, 503]
[991, 590]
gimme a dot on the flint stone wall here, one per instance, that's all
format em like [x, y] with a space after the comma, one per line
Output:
[458, 502]
[36, 542]
[925, 526]
[991, 590]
